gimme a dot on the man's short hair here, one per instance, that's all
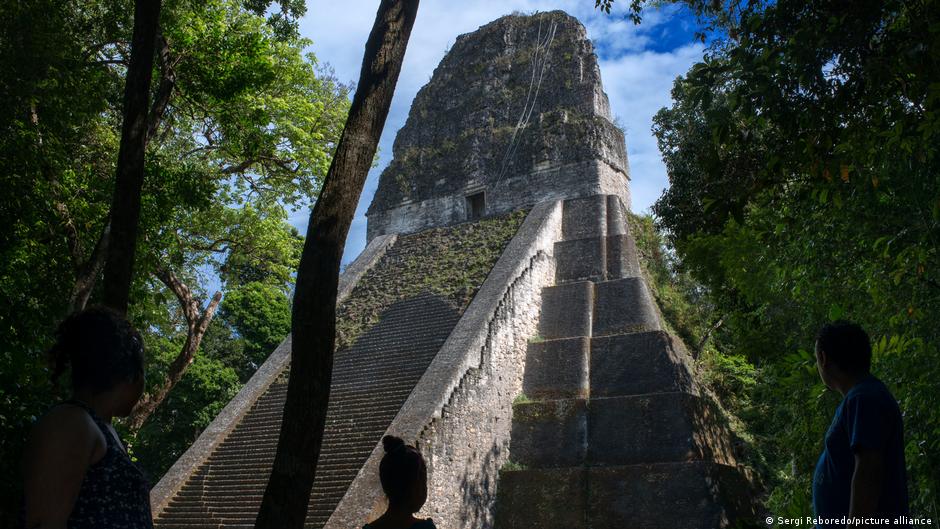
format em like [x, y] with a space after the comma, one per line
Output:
[847, 345]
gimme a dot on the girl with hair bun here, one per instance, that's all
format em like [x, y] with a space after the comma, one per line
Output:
[77, 473]
[404, 477]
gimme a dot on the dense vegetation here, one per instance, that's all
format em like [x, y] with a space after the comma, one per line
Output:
[802, 154]
[244, 126]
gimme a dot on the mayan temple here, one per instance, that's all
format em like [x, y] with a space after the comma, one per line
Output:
[498, 319]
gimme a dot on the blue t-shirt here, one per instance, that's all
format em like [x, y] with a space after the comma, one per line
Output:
[868, 417]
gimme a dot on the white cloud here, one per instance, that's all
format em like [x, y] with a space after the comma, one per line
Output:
[638, 85]
[636, 79]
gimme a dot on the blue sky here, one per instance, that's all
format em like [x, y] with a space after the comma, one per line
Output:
[638, 65]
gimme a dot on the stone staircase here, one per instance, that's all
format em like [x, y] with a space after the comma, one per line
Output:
[613, 431]
[371, 381]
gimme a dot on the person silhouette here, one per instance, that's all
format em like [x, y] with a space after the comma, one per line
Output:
[77, 473]
[861, 471]
[404, 477]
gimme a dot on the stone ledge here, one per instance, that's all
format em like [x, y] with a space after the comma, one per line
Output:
[690, 495]
[554, 498]
[623, 306]
[557, 369]
[653, 428]
[567, 310]
[638, 363]
[550, 433]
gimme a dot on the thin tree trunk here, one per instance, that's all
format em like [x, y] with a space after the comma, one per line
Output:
[86, 274]
[196, 322]
[313, 319]
[708, 334]
[129, 179]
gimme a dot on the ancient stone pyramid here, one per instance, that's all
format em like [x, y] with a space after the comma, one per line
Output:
[499, 320]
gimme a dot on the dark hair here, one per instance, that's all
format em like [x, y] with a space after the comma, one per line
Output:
[401, 467]
[847, 345]
[101, 347]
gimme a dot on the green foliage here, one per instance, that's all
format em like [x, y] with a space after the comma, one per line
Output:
[260, 313]
[538, 338]
[512, 465]
[521, 399]
[802, 155]
[247, 135]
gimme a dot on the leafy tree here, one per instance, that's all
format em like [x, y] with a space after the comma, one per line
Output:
[260, 313]
[802, 156]
[241, 131]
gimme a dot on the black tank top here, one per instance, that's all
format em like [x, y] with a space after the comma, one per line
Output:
[115, 493]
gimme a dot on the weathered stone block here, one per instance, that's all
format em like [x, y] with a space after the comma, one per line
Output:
[621, 257]
[616, 216]
[580, 260]
[690, 495]
[557, 369]
[544, 498]
[654, 428]
[567, 310]
[551, 433]
[637, 363]
[622, 306]
[584, 217]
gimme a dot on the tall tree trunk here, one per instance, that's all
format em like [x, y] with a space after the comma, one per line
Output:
[196, 323]
[313, 319]
[86, 272]
[129, 179]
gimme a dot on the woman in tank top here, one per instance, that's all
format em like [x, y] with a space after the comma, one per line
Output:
[77, 473]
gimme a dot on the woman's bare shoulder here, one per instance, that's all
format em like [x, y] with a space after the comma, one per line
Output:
[70, 427]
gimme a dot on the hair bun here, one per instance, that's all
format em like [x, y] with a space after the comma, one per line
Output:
[392, 443]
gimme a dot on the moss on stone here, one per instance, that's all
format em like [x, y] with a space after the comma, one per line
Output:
[509, 466]
[451, 262]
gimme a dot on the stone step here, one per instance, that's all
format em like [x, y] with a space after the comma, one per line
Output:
[639, 363]
[556, 369]
[616, 216]
[549, 498]
[237, 459]
[688, 495]
[581, 260]
[371, 380]
[584, 217]
[248, 479]
[655, 428]
[691, 495]
[567, 310]
[551, 433]
[270, 436]
[621, 256]
[596, 259]
[623, 306]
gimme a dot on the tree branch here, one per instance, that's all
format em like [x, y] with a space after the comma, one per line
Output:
[87, 273]
[196, 325]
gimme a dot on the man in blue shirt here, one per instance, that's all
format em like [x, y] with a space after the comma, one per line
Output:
[860, 473]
